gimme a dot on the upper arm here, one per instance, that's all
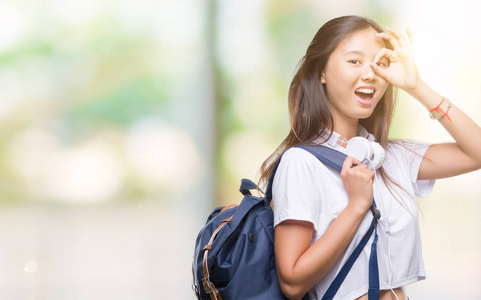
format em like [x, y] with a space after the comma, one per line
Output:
[446, 160]
[292, 239]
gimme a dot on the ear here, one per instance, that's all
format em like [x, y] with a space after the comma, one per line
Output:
[323, 79]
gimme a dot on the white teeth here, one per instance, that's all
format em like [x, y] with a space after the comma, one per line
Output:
[365, 91]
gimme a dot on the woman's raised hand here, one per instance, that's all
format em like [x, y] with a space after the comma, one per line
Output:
[358, 180]
[402, 71]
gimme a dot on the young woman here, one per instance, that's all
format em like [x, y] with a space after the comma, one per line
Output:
[344, 88]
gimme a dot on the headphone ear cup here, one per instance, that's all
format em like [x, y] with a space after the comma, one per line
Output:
[378, 155]
[359, 148]
[370, 153]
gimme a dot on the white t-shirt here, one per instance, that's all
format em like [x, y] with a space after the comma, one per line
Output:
[306, 189]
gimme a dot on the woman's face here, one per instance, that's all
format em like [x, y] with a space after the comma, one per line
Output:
[352, 87]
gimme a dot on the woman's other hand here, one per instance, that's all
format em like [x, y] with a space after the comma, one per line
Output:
[402, 71]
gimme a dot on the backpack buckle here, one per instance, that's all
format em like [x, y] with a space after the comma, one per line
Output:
[208, 286]
[375, 212]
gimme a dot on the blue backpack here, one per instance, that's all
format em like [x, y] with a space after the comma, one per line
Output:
[234, 251]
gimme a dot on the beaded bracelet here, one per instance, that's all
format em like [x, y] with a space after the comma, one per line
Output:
[443, 112]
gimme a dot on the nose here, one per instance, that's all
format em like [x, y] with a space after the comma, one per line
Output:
[367, 73]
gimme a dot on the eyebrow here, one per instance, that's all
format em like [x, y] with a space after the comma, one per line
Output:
[354, 52]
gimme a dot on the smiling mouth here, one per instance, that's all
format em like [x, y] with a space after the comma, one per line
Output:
[365, 96]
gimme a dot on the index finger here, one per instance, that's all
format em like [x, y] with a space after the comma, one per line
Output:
[399, 36]
[349, 162]
[389, 37]
[389, 54]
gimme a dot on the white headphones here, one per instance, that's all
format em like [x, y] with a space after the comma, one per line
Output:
[369, 153]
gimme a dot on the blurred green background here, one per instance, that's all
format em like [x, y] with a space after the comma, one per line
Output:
[124, 123]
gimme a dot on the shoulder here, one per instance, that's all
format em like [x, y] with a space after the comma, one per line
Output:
[298, 163]
[298, 154]
[407, 148]
[406, 155]
[403, 160]
[407, 144]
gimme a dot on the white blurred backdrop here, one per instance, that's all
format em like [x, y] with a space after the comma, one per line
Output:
[124, 123]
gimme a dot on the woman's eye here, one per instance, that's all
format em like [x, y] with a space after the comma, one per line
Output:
[354, 62]
[383, 64]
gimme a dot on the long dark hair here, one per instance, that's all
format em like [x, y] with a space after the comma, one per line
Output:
[309, 108]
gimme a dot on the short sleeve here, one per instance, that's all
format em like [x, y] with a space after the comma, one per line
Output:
[296, 193]
[412, 153]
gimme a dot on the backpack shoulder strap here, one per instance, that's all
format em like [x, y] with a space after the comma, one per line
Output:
[327, 155]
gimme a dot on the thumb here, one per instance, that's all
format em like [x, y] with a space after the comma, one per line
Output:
[378, 70]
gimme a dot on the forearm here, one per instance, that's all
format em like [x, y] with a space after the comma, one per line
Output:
[460, 126]
[297, 278]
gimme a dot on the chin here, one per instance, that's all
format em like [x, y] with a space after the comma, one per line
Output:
[364, 114]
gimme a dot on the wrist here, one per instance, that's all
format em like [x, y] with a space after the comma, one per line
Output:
[357, 209]
[418, 90]
[425, 95]
[415, 88]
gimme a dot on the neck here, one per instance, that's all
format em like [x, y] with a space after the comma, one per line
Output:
[346, 130]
